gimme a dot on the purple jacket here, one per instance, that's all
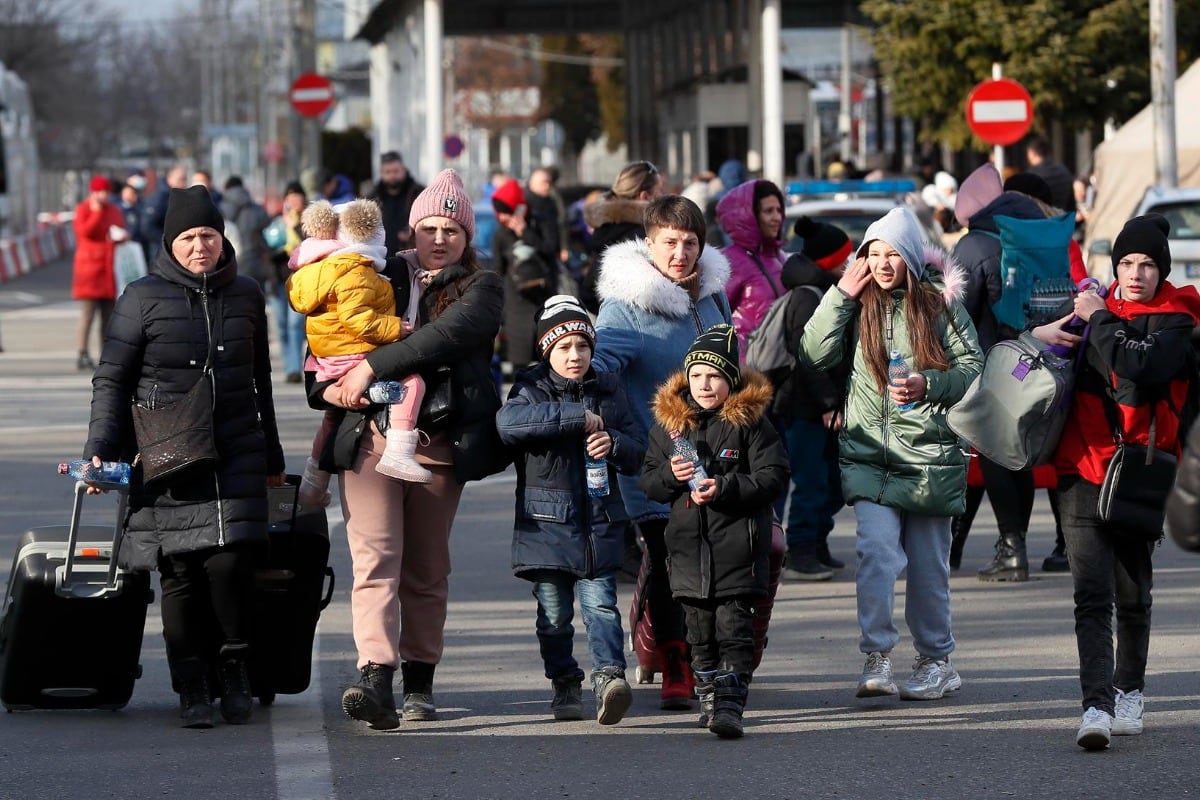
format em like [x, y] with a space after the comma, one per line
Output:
[750, 291]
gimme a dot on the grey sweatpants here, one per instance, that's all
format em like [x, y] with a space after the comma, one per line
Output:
[888, 541]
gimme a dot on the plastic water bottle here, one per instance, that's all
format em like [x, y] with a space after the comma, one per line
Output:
[110, 473]
[386, 392]
[687, 451]
[898, 372]
[1076, 325]
[597, 475]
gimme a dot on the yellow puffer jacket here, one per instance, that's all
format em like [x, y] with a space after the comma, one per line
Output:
[350, 307]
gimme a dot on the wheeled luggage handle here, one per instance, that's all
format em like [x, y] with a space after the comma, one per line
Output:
[66, 577]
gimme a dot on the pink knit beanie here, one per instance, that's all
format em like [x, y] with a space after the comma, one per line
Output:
[445, 197]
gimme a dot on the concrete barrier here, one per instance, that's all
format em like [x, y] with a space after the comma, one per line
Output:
[20, 255]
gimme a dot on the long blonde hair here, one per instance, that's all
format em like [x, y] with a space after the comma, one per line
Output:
[922, 308]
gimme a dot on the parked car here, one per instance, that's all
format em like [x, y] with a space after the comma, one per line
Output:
[1181, 207]
[851, 206]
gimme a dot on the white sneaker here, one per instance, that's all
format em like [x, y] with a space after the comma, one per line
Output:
[932, 679]
[876, 680]
[1128, 719]
[1094, 730]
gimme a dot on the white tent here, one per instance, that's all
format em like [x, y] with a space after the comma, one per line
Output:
[1124, 163]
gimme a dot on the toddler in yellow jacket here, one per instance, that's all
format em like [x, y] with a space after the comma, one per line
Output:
[351, 310]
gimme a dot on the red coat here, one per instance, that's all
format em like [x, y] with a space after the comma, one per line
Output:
[94, 279]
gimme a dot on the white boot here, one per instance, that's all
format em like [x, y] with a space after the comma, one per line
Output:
[314, 485]
[397, 460]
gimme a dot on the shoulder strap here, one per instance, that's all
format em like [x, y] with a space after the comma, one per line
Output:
[776, 289]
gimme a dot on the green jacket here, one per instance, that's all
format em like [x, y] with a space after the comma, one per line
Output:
[904, 459]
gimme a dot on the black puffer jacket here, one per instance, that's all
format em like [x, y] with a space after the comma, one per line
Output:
[158, 337]
[557, 524]
[613, 220]
[722, 549]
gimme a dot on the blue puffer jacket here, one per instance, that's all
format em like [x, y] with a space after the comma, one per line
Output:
[558, 526]
[646, 324]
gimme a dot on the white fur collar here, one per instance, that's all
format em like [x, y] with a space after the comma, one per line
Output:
[628, 275]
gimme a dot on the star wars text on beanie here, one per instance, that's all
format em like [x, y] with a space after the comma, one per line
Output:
[717, 347]
[563, 316]
[1147, 235]
[190, 208]
[444, 197]
[827, 245]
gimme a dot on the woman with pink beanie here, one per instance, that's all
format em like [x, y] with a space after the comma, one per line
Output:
[399, 532]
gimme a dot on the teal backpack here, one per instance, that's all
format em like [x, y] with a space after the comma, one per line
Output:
[1035, 269]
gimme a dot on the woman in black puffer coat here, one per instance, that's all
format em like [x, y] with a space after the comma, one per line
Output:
[200, 527]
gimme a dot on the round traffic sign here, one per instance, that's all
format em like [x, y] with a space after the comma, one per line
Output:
[453, 146]
[999, 111]
[311, 94]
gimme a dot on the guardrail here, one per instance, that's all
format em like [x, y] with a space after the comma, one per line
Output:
[20, 255]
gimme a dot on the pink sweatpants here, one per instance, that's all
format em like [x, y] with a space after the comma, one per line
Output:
[399, 536]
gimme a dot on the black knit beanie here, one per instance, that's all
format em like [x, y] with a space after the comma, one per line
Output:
[717, 347]
[1146, 234]
[825, 244]
[1027, 183]
[562, 316]
[190, 208]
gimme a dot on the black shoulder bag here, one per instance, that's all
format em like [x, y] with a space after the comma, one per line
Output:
[178, 436]
[1133, 497]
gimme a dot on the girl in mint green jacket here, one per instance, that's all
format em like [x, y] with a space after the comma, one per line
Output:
[904, 471]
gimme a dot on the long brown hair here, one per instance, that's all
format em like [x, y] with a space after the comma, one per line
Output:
[922, 308]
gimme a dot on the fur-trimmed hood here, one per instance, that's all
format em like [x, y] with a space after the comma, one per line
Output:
[744, 406]
[614, 210]
[944, 272]
[628, 275]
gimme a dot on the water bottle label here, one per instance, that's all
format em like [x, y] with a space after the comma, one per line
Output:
[387, 392]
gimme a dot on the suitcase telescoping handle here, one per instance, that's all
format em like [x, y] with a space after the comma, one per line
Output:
[68, 581]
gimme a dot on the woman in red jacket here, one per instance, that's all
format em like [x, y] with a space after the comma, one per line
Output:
[94, 284]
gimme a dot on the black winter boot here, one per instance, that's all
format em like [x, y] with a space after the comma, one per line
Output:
[803, 564]
[729, 701]
[236, 700]
[418, 691]
[195, 697]
[371, 700]
[826, 558]
[1010, 562]
[567, 703]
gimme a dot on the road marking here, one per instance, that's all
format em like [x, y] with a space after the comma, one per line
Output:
[302, 768]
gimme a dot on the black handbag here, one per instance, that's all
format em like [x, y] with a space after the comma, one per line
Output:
[1133, 496]
[178, 436]
[437, 406]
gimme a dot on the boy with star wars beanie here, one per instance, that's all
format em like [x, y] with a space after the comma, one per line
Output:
[568, 535]
[717, 570]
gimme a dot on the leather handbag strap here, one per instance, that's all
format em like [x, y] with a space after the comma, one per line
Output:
[777, 290]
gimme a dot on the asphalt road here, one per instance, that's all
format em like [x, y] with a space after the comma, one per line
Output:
[1008, 733]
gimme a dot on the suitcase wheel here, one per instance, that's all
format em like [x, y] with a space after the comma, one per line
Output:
[266, 698]
[644, 675]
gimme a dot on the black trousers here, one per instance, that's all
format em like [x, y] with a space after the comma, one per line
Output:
[1109, 567]
[207, 599]
[721, 634]
[665, 612]
[1011, 496]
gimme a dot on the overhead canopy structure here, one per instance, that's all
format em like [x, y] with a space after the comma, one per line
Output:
[1124, 163]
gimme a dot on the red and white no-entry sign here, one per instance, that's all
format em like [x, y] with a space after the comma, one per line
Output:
[999, 111]
[312, 95]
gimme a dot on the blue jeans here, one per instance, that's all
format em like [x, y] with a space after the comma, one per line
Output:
[290, 326]
[555, 592]
[816, 481]
[890, 541]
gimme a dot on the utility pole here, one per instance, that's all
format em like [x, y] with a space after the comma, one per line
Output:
[304, 133]
[1162, 91]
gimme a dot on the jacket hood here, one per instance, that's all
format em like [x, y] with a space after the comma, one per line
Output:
[1169, 299]
[980, 188]
[800, 270]
[732, 173]
[744, 406]
[234, 200]
[628, 275]
[901, 229]
[168, 268]
[604, 212]
[1008, 204]
[735, 212]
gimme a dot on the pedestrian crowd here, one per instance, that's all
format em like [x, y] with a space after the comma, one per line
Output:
[646, 438]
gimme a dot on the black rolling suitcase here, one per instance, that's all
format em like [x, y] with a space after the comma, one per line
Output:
[290, 592]
[71, 630]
